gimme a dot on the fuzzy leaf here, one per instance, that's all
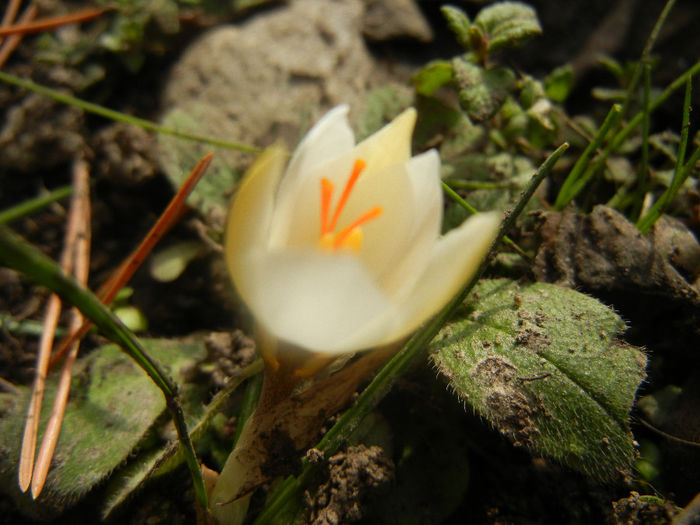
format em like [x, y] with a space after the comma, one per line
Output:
[481, 91]
[381, 105]
[543, 364]
[113, 404]
[559, 83]
[431, 77]
[458, 22]
[507, 24]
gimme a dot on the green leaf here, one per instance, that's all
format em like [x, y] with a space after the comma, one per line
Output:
[380, 106]
[481, 91]
[508, 24]
[506, 174]
[112, 406]
[458, 22]
[169, 263]
[559, 83]
[431, 77]
[543, 364]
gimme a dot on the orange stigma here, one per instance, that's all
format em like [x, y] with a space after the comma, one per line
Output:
[349, 237]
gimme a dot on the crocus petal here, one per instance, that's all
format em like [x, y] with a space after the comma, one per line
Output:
[456, 257]
[251, 213]
[329, 138]
[337, 302]
[313, 300]
[388, 146]
[406, 264]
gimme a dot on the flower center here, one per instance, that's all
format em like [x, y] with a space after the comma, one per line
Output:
[350, 237]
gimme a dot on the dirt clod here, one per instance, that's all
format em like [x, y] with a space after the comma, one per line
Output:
[124, 153]
[604, 254]
[352, 475]
[635, 510]
[229, 352]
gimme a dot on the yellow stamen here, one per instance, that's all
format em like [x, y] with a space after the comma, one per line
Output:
[326, 195]
[357, 169]
[350, 237]
[343, 234]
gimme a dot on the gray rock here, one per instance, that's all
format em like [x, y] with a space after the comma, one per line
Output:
[387, 19]
[267, 79]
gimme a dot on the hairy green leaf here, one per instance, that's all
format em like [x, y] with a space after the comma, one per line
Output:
[212, 194]
[507, 24]
[380, 106]
[559, 83]
[543, 364]
[481, 91]
[433, 76]
[458, 22]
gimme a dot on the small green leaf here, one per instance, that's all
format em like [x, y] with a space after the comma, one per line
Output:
[559, 83]
[481, 91]
[531, 92]
[132, 318]
[543, 364]
[380, 106]
[458, 22]
[169, 263]
[431, 77]
[508, 24]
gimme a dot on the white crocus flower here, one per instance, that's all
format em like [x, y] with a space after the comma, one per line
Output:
[341, 250]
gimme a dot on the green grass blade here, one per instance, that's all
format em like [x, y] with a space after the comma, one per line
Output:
[637, 119]
[577, 178]
[643, 177]
[681, 172]
[33, 205]
[119, 117]
[21, 256]
[644, 59]
[471, 209]
[622, 135]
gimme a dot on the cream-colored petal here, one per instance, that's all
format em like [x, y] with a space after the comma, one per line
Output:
[454, 260]
[250, 214]
[329, 138]
[314, 300]
[409, 259]
[388, 146]
[456, 257]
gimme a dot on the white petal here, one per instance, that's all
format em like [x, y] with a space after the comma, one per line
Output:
[313, 300]
[412, 255]
[250, 214]
[390, 145]
[456, 257]
[328, 139]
